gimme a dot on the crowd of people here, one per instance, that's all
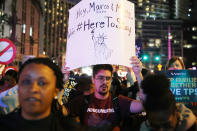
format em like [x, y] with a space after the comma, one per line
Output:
[36, 98]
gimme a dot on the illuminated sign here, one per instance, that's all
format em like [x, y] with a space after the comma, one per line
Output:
[183, 84]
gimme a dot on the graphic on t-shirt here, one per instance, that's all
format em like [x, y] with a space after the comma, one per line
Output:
[94, 119]
[100, 110]
[99, 114]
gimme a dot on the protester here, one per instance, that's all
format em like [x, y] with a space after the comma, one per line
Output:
[162, 111]
[10, 101]
[116, 88]
[100, 111]
[132, 89]
[9, 80]
[84, 85]
[39, 82]
[9, 97]
[175, 63]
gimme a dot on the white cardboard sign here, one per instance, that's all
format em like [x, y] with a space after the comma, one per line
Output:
[100, 32]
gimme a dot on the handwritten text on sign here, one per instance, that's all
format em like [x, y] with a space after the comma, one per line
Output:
[104, 30]
[108, 20]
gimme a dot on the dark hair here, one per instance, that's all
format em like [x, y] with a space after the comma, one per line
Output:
[97, 68]
[83, 83]
[172, 60]
[158, 94]
[11, 73]
[145, 72]
[50, 64]
[115, 74]
[71, 73]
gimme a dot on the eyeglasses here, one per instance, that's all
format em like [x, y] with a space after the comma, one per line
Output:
[102, 78]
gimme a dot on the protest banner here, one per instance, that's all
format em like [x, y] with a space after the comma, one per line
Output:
[183, 84]
[7, 51]
[100, 32]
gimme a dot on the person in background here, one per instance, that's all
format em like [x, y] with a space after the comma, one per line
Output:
[175, 63]
[115, 85]
[39, 81]
[162, 111]
[9, 97]
[84, 84]
[9, 80]
[133, 85]
[10, 101]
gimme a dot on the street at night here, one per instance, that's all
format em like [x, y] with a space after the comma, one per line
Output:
[98, 65]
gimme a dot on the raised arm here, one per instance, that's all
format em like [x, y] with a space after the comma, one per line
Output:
[65, 71]
[136, 66]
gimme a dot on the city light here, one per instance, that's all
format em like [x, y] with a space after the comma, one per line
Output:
[194, 28]
[157, 58]
[194, 37]
[151, 45]
[145, 57]
[187, 46]
[24, 28]
[193, 63]
[193, 68]
[44, 53]
[30, 31]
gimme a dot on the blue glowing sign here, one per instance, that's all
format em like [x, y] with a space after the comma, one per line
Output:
[183, 84]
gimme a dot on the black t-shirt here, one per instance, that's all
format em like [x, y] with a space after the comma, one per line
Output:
[55, 122]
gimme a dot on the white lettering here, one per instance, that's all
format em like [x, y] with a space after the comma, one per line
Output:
[100, 110]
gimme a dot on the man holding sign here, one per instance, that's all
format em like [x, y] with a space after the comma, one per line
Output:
[100, 110]
[105, 32]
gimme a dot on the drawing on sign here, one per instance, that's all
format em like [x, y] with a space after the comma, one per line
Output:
[100, 47]
[95, 26]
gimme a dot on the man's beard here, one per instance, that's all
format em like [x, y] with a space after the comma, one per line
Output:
[101, 92]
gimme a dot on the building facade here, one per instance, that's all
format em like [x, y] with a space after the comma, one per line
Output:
[156, 40]
[153, 9]
[23, 26]
[154, 18]
[190, 43]
[5, 12]
[55, 28]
